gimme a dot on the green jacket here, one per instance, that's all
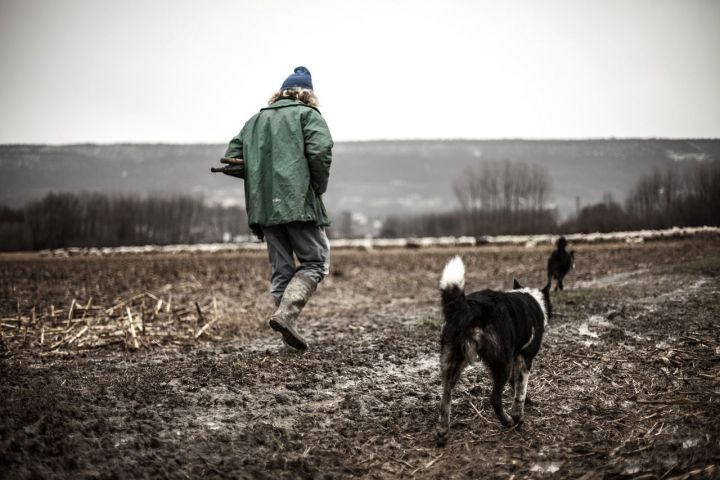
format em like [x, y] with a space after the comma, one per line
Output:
[287, 150]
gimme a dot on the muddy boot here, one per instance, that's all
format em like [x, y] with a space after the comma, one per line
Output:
[296, 295]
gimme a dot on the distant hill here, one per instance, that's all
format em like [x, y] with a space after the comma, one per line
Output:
[373, 178]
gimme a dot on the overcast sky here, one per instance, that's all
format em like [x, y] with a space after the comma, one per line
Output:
[194, 71]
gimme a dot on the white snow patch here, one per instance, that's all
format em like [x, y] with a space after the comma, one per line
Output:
[585, 331]
[599, 321]
[247, 243]
[545, 468]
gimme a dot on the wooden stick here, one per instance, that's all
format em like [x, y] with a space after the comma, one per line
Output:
[205, 327]
[158, 306]
[124, 302]
[78, 335]
[428, 465]
[476, 410]
[10, 319]
[201, 320]
[62, 340]
[391, 458]
[133, 341]
[86, 308]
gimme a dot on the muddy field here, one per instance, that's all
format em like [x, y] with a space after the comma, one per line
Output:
[627, 384]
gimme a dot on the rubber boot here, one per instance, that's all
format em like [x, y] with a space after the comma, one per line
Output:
[296, 295]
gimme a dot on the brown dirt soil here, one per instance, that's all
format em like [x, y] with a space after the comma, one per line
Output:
[626, 385]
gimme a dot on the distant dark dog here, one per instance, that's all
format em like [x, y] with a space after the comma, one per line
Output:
[560, 263]
[503, 329]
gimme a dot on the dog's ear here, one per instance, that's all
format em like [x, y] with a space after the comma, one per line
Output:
[516, 284]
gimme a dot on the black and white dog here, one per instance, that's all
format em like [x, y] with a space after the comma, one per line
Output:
[560, 263]
[503, 329]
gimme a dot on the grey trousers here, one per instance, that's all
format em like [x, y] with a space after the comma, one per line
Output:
[307, 242]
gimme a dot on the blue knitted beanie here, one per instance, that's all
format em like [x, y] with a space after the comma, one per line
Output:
[300, 79]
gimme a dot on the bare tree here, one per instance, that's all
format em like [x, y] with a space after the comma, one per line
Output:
[499, 195]
[95, 219]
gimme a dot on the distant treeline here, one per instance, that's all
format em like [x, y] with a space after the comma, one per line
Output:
[103, 220]
[496, 198]
[687, 195]
[500, 198]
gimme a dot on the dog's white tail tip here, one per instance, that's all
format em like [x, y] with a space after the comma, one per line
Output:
[453, 274]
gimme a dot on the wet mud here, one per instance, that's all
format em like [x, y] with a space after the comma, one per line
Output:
[626, 385]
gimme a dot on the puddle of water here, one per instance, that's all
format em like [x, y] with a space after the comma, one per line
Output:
[592, 337]
[551, 467]
[600, 321]
[584, 330]
[635, 336]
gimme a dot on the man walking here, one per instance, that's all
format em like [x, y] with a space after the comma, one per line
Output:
[287, 151]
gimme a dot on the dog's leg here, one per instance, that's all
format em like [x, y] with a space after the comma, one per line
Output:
[560, 284]
[501, 374]
[522, 373]
[528, 401]
[451, 368]
[511, 377]
[511, 384]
